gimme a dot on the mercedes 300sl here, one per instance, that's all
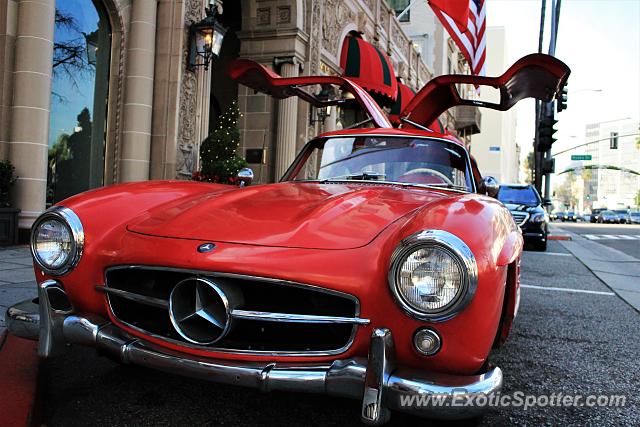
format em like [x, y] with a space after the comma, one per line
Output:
[379, 267]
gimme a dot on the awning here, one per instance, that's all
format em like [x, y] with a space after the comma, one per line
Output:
[404, 95]
[366, 65]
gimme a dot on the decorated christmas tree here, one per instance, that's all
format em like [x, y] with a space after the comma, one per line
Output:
[219, 161]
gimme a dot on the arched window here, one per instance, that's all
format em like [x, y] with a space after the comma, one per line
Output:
[79, 93]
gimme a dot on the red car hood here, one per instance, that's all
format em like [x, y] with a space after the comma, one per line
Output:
[302, 215]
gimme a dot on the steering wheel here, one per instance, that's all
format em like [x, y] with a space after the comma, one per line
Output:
[406, 177]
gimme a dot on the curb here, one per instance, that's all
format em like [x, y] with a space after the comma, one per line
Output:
[18, 381]
[558, 237]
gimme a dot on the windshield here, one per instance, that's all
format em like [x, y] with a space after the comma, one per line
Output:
[518, 195]
[389, 159]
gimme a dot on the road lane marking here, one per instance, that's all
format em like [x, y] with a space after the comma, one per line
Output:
[611, 236]
[550, 253]
[581, 291]
[592, 237]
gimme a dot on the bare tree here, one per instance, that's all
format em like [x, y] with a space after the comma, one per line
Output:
[69, 56]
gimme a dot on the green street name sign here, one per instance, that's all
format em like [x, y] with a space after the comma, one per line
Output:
[581, 157]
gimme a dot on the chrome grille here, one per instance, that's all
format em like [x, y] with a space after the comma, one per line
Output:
[519, 217]
[270, 316]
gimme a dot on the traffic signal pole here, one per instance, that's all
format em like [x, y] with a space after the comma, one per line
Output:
[545, 112]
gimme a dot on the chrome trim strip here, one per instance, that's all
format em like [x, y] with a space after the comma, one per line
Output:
[295, 318]
[73, 223]
[282, 282]
[527, 215]
[458, 249]
[142, 299]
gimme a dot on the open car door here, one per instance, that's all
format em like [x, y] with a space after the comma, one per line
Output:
[260, 78]
[533, 76]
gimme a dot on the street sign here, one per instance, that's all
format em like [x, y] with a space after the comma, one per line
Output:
[581, 157]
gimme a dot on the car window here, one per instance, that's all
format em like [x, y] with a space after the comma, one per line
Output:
[518, 195]
[388, 159]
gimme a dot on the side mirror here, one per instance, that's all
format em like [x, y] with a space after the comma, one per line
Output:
[245, 177]
[489, 186]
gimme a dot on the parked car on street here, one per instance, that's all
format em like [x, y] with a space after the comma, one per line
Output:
[608, 217]
[525, 205]
[555, 215]
[634, 217]
[569, 216]
[595, 214]
[623, 216]
[380, 266]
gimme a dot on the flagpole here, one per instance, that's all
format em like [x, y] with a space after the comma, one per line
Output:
[537, 157]
[555, 20]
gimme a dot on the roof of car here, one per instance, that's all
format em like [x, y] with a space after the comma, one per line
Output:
[392, 132]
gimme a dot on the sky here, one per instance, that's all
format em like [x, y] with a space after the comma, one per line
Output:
[599, 40]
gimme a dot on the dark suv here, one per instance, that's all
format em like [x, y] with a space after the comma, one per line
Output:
[525, 205]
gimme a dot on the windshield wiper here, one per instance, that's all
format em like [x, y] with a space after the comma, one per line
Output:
[446, 185]
[363, 176]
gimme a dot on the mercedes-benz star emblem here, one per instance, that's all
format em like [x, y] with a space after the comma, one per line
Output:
[199, 310]
[206, 247]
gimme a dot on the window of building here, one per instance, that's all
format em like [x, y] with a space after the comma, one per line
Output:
[399, 6]
[79, 93]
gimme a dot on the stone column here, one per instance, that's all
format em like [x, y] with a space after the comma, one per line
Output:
[287, 119]
[135, 152]
[29, 134]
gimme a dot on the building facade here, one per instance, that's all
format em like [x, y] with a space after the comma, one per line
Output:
[97, 92]
[495, 148]
[614, 143]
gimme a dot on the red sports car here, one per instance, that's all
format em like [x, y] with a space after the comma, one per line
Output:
[379, 268]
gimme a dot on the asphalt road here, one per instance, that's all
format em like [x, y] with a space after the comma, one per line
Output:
[623, 237]
[574, 343]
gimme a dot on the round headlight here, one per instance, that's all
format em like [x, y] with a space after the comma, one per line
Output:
[52, 243]
[433, 275]
[430, 279]
[57, 240]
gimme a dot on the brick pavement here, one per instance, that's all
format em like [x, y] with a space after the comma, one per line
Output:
[17, 280]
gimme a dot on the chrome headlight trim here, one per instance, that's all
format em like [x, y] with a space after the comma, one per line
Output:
[455, 247]
[67, 217]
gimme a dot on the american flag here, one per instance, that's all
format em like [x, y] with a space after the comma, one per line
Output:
[466, 24]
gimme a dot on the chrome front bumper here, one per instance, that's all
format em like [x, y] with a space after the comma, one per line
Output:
[376, 380]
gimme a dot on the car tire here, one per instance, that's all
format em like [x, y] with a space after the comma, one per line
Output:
[541, 246]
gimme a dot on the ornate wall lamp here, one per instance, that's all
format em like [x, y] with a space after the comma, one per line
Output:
[205, 39]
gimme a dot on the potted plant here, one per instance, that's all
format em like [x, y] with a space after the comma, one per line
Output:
[8, 215]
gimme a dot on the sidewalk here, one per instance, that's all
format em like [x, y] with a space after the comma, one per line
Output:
[17, 280]
[614, 268]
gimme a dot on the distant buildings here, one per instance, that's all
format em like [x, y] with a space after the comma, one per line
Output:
[613, 143]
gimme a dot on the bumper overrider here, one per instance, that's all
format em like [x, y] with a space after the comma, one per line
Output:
[376, 380]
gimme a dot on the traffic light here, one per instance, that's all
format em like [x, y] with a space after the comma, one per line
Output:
[561, 103]
[613, 141]
[545, 133]
[548, 166]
